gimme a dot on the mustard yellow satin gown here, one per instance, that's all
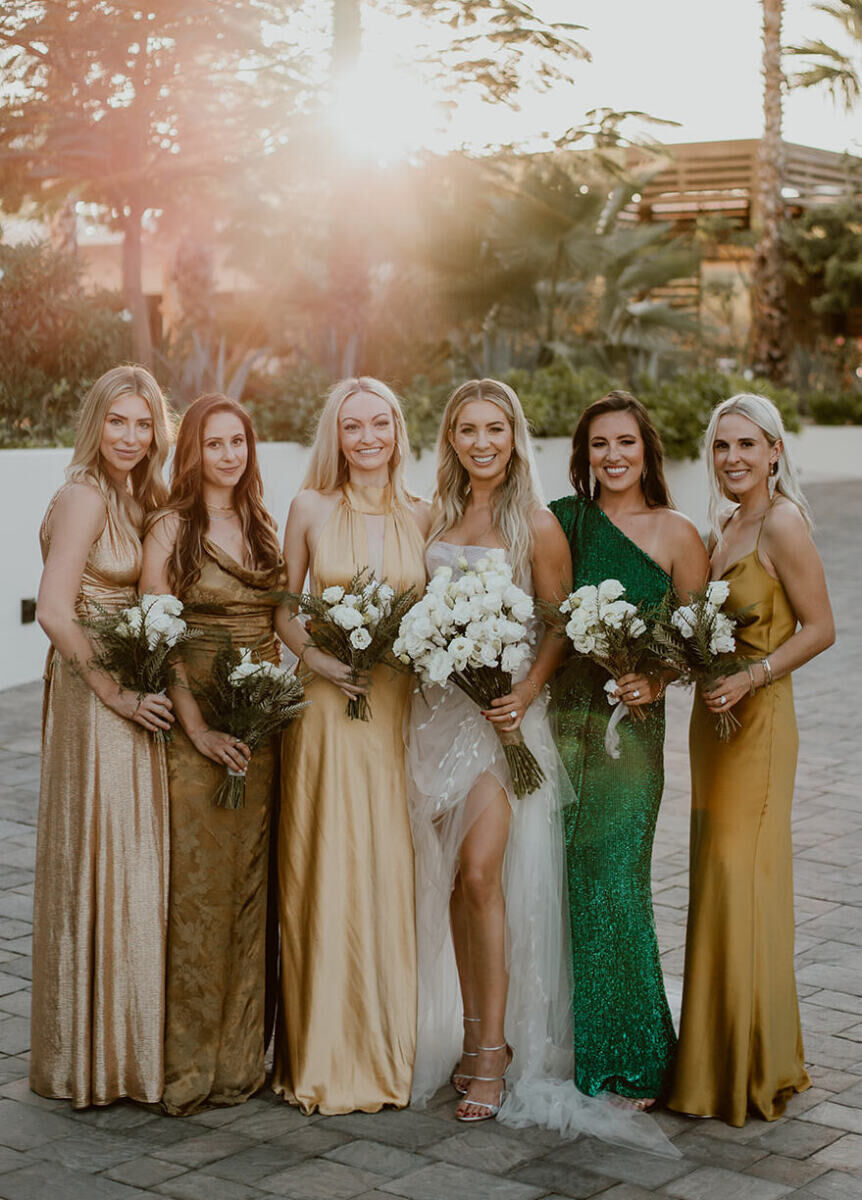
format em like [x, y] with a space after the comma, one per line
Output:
[215, 1027]
[346, 1031]
[740, 1045]
[100, 900]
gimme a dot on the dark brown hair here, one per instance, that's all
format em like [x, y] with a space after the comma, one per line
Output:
[653, 483]
[187, 497]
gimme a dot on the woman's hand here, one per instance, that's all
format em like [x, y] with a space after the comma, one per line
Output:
[329, 667]
[727, 691]
[151, 711]
[507, 712]
[221, 748]
[636, 690]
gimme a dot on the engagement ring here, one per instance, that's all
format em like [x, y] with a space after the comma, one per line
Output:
[636, 694]
[513, 714]
[722, 699]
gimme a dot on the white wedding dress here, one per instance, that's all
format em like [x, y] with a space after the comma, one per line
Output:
[455, 764]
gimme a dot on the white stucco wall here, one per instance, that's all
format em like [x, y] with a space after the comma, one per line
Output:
[28, 479]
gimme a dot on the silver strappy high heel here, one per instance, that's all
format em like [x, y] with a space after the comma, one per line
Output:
[491, 1110]
[456, 1074]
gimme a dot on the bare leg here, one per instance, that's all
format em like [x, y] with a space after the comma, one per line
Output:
[461, 942]
[481, 908]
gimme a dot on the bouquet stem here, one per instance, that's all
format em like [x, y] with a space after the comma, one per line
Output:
[231, 793]
[526, 773]
[358, 708]
[726, 725]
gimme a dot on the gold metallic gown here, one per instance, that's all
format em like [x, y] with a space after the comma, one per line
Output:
[740, 1045]
[346, 1032]
[101, 873]
[217, 945]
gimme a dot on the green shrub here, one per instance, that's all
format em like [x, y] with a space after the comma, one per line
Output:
[285, 406]
[55, 340]
[836, 408]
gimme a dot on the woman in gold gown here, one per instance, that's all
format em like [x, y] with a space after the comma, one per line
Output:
[740, 1046]
[216, 548]
[346, 1030]
[101, 852]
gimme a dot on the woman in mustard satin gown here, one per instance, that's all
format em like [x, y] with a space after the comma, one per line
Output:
[740, 1045]
[100, 895]
[216, 548]
[346, 1030]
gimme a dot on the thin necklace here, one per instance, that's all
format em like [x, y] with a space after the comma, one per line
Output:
[220, 507]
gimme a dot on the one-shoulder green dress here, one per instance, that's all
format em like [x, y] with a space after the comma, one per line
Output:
[624, 1035]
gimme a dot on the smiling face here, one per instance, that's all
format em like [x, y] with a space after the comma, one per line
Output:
[616, 450]
[127, 434]
[224, 450]
[483, 440]
[742, 455]
[366, 432]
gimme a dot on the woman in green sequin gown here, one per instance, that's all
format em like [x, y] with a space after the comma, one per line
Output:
[624, 1035]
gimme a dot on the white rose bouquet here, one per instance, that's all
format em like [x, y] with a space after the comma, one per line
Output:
[697, 640]
[252, 699]
[357, 625]
[611, 631]
[134, 645]
[472, 631]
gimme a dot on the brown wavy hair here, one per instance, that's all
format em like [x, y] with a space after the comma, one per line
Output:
[186, 497]
[653, 484]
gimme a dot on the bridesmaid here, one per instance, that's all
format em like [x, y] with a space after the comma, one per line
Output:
[101, 851]
[740, 1047]
[216, 548]
[346, 1031]
[623, 527]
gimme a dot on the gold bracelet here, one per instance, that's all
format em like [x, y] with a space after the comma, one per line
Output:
[767, 672]
[534, 686]
[752, 686]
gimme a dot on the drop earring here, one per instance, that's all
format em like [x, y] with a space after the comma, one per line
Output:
[772, 481]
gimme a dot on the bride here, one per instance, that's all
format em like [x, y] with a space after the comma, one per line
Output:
[490, 896]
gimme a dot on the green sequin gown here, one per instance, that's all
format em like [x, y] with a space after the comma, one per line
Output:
[624, 1036]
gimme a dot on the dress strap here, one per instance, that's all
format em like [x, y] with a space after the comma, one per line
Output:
[766, 513]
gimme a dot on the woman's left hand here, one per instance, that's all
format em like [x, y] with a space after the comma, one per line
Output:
[635, 690]
[727, 691]
[507, 712]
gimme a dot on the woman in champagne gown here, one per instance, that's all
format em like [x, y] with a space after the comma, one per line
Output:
[740, 1047]
[216, 548]
[622, 528]
[100, 895]
[346, 1030]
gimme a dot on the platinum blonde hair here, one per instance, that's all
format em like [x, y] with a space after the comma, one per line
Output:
[146, 487]
[517, 497]
[327, 466]
[762, 413]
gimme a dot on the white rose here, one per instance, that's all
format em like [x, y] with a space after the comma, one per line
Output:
[332, 595]
[513, 656]
[583, 642]
[460, 650]
[610, 688]
[610, 590]
[350, 600]
[156, 628]
[134, 618]
[372, 614]
[488, 654]
[360, 638]
[717, 592]
[385, 594]
[684, 619]
[722, 643]
[439, 666]
[637, 627]
[346, 617]
[522, 609]
[615, 613]
[566, 606]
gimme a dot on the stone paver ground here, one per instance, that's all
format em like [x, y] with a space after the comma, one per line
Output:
[265, 1149]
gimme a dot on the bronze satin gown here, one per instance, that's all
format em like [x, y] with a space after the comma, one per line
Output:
[100, 899]
[346, 1032]
[740, 1044]
[217, 944]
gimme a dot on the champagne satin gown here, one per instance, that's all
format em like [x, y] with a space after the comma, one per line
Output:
[100, 900]
[346, 1031]
[740, 1043]
[215, 1029]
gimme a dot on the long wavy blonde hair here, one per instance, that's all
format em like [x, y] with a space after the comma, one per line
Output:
[327, 466]
[518, 496]
[146, 490]
[766, 417]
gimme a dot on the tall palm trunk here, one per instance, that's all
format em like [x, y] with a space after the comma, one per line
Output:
[769, 340]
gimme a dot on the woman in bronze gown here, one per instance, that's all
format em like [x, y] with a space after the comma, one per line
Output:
[346, 1032]
[101, 851]
[216, 548]
[740, 1044]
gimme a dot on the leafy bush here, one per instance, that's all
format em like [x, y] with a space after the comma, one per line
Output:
[55, 340]
[836, 408]
[285, 406]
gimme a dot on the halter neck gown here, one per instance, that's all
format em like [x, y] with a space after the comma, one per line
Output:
[346, 1031]
[100, 899]
[740, 1043]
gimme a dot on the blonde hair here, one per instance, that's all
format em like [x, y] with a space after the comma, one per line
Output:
[327, 466]
[762, 413]
[518, 496]
[146, 487]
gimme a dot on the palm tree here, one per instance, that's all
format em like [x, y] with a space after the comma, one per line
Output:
[828, 67]
[768, 344]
